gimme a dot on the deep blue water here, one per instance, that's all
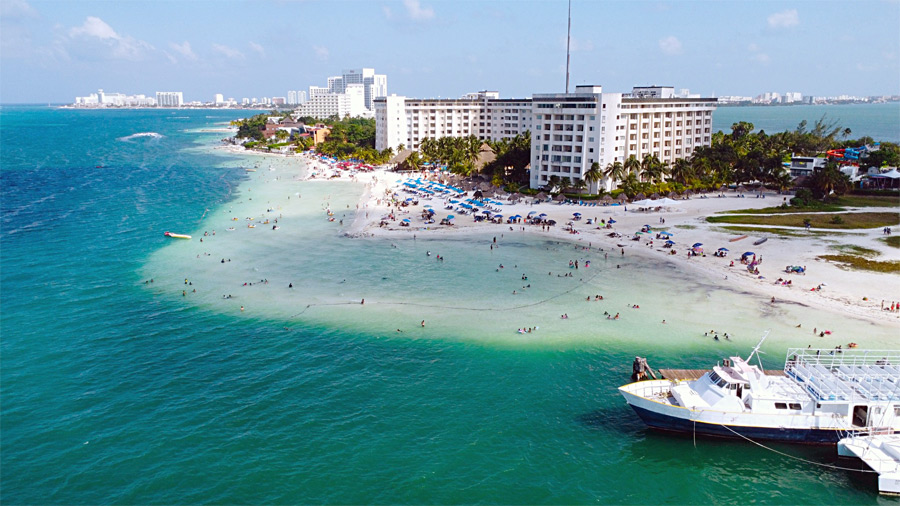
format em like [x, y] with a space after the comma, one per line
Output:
[111, 394]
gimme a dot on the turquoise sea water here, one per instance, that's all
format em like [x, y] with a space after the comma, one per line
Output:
[116, 391]
[879, 121]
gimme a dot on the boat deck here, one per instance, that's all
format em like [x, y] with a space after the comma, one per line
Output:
[693, 374]
[879, 452]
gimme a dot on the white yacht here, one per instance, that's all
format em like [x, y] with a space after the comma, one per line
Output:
[823, 396]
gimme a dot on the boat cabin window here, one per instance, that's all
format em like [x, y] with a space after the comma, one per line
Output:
[780, 405]
[795, 405]
[714, 377]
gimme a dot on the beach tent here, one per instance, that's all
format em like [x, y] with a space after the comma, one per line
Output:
[644, 202]
[667, 202]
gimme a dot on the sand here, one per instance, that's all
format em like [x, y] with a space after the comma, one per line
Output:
[850, 292]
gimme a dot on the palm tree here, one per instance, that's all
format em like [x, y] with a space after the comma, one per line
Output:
[593, 175]
[632, 164]
[682, 171]
[651, 168]
[615, 171]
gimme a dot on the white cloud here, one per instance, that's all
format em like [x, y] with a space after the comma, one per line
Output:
[95, 32]
[321, 52]
[94, 27]
[576, 45]
[12, 9]
[784, 19]
[670, 45]
[416, 11]
[184, 49]
[228, 52]
[258, 48]
[760, 57]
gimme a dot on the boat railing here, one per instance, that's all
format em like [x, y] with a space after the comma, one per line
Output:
[846, 375]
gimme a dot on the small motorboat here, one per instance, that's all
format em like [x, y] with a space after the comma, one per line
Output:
[760, 241]
[177, 236]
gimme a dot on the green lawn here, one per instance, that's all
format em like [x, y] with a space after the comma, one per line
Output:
[784, 232]
[847, 220]
[858, 262]
[852, 249]
[837, 205]
[892, 240]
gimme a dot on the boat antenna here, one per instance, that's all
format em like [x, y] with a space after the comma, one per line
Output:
[756, 349]
[568, 41]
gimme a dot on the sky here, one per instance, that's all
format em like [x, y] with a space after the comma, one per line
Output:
[52, 51]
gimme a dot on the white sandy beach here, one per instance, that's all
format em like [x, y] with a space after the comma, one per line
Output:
[851, 292]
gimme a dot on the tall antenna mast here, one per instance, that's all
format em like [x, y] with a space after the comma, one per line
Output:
[568, 41]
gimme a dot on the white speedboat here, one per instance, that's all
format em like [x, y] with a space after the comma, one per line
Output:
[823, 396]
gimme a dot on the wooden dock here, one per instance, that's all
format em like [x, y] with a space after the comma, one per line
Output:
[692, 374]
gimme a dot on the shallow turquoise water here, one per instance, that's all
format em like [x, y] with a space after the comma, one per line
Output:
[114, 391]
[879, 121]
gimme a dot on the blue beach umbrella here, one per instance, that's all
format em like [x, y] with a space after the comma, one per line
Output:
[723, 249]
[405, 219]
[430, 211]
[748, 254]
[486, 212]
[531, 213]
[667, 234]
[610, 220]
[542, 215]
[576, 214]
[496, 216]
[450, 217]
[670, 242]
[427, 206]
[697, 245]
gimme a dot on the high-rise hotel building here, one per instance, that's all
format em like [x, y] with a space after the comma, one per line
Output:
[407, 121]
[569, 131]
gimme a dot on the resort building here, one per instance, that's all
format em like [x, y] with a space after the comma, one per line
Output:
[569, 132]
[169, 99]
[407, 121]
[350, 102]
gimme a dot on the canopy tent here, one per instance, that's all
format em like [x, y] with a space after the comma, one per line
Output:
[891, 174]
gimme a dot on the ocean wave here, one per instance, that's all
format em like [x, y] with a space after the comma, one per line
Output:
[152, 135]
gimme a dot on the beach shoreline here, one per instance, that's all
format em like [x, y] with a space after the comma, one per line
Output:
[825, 286]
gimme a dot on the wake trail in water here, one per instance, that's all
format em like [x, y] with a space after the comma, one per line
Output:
[139, 135]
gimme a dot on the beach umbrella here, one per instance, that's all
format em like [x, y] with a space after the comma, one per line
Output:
[670, 242]
[622, 197]
[607, 198]
[551, 222]
[405, 219]
[559, 198]
[638, 233]
[454, 201]
[748, 254]
[450, 217]
[498, 216]
[610, 220]
[486, 212]
[667, 234]
[427, 206]
[542, 215]
[576, 214]
[530, 213]
[723, 249]
[430, 211]
[697, 245]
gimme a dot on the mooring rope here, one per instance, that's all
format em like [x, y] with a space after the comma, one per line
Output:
[801, 459]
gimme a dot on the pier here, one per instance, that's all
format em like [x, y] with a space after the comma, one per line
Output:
[881, 452]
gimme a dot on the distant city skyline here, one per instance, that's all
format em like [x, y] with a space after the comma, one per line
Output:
[54, 51]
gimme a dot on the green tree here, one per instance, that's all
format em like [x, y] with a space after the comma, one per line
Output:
[592, 176]
[829, 180]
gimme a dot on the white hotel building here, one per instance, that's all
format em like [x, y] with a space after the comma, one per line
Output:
[401, 120]
[569, 132]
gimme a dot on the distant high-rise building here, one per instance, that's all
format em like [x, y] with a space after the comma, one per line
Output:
[301, 97]
[292, 97]
[169, 99]
[279, 101]
[219, 99]
[375, 85]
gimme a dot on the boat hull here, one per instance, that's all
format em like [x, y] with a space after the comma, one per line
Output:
[669, 423]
